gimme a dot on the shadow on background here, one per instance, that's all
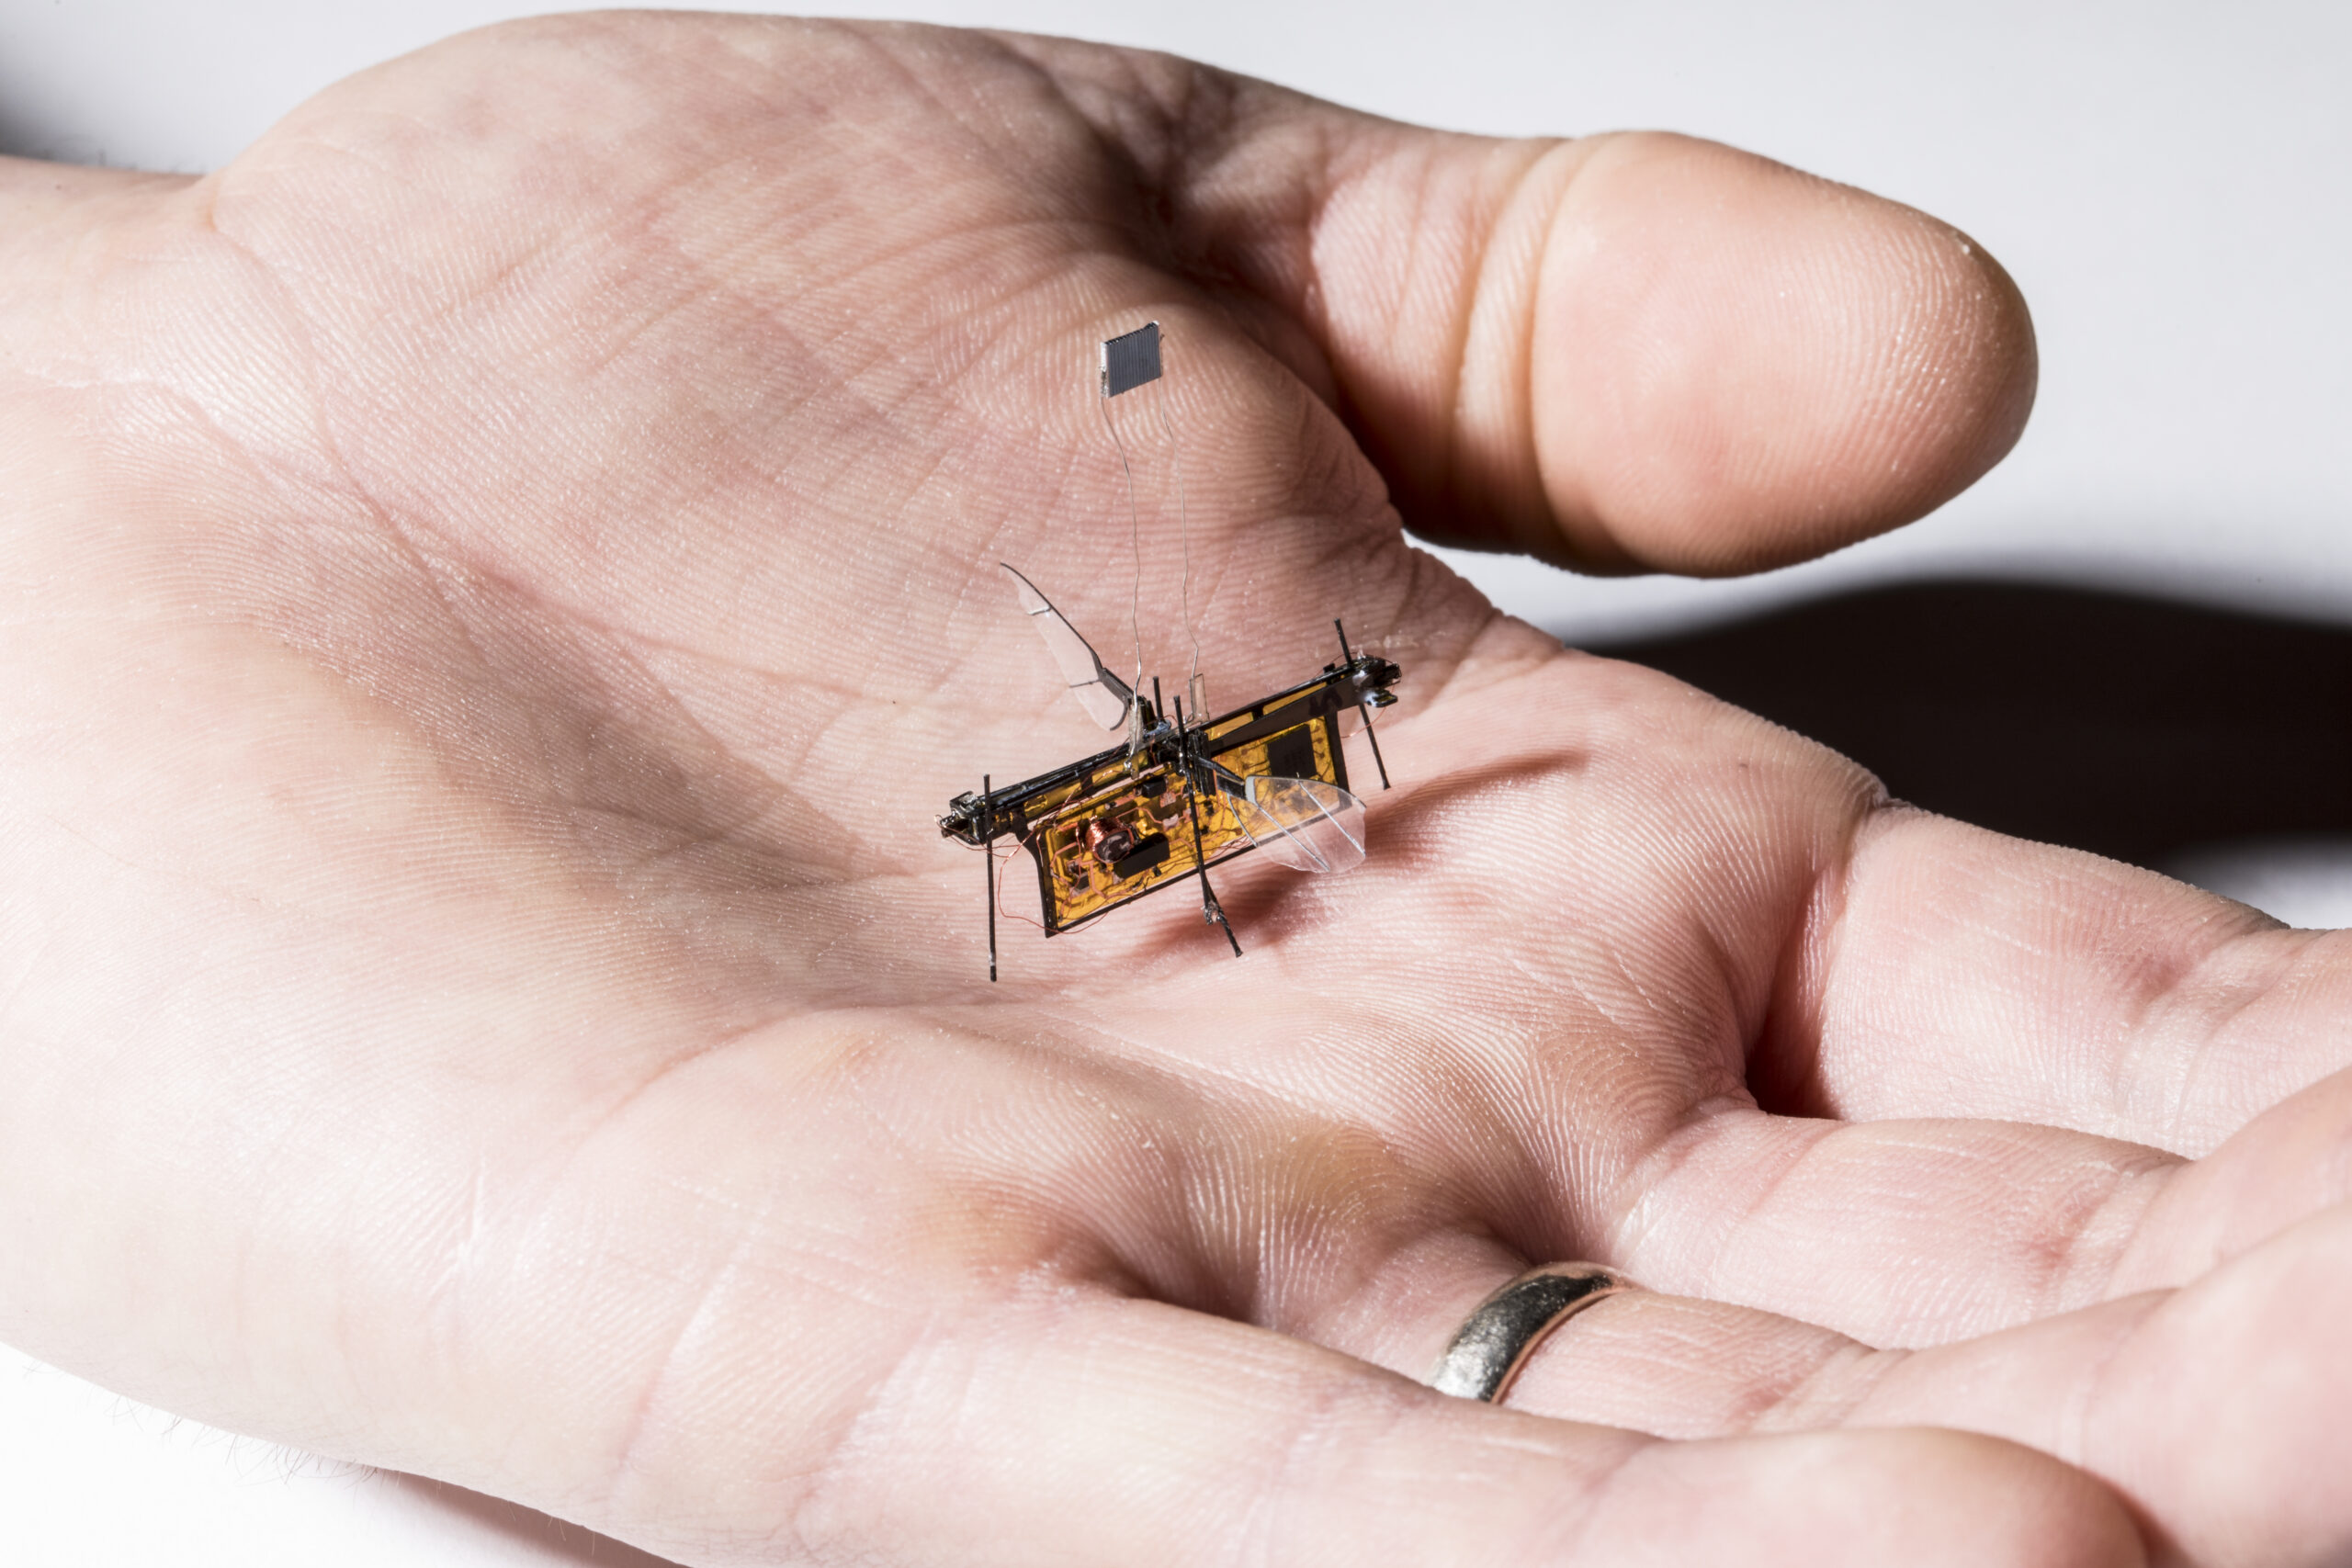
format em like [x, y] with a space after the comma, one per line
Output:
[2135, 727]
[22, 135]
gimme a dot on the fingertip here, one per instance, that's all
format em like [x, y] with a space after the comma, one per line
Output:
[1737, 366]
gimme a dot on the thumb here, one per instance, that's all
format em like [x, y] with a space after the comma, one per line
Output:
[1621, 352]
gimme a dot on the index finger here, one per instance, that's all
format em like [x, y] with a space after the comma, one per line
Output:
[1955, 972]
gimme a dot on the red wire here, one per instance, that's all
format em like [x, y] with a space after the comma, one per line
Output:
[999, 892]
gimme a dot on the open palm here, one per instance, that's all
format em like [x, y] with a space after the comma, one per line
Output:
[501, 579]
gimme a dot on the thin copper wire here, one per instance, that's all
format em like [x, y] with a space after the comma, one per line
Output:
[1001, 880]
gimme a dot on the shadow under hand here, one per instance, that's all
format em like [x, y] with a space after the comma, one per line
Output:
[2141, 729]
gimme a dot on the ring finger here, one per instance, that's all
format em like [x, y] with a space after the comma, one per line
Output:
[2211, 1407]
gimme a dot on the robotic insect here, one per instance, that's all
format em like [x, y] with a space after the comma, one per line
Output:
[1181, 792]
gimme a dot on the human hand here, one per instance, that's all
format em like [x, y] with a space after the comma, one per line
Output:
[502, 578]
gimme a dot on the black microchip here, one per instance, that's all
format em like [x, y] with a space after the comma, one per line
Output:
[1146, 856]
[1291, 754]
[1131, 359]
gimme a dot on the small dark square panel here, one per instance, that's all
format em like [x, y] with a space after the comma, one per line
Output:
[1291, 754]
[1131, 359]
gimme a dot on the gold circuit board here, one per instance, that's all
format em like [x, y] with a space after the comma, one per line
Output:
[1126, 828]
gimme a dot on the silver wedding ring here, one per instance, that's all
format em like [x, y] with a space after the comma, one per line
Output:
[1491, 1347]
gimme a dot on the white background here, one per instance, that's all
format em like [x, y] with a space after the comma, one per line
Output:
[2170, 184]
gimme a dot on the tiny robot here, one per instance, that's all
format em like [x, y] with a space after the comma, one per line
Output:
[1183, 792]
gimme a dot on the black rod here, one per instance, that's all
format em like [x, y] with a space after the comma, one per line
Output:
[1345, 656]
[1369, 735]
[987, 852]
[1211, 910]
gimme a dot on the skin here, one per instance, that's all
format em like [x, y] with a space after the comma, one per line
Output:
[499, 579]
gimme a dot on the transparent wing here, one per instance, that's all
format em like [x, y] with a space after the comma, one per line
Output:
[1306, 824]
[1103, 695]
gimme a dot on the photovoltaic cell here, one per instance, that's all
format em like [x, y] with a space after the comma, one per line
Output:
[1131, 359]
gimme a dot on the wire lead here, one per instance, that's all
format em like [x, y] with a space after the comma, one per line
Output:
[1183, 531]
[1134, 598]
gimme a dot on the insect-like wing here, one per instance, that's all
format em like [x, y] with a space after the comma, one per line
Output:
[1106, 697]
[1306, 824]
